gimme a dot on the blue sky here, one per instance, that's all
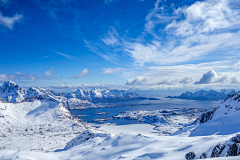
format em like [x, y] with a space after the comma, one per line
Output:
[160, 44]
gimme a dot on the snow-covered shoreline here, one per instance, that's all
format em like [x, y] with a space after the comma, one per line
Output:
[165, 121]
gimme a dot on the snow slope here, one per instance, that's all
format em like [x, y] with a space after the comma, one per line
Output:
[225, 120]
[224, 149]
[127, 146]
[38, 125]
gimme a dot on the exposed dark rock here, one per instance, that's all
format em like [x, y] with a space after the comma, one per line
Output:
[236, 139]
[3, 101]
[205, 117]
[217, 150]
[41, 97]
[229, 148]
[203, 156]
[234, 150]
[190, 155]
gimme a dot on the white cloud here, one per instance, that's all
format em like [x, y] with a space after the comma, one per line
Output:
[84, 73]
[189, 75]
[196, 31]
[236, 65]
[111, 38]
[89, 86]
[96, 49]
[64, 55]
[10, 21]
[18, 77]
[49, 73]
[110, 70]
[137, 81]
[206, 16]
[207, 77]
[235, 80]
[156, 81]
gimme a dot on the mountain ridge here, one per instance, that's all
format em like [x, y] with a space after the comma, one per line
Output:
[205, 95]
[12, 92]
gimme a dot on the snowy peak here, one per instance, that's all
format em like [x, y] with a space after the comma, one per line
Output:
[34, 92]
[205, 95]
[105, 95]
[228, 91]
[12, 92]
[10, 87]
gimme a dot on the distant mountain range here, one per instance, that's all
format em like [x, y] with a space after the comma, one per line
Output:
[105, 95]
[205, 95]
[12, 92]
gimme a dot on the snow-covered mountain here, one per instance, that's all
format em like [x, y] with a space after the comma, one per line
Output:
[228, 91]
[37, 125]
[35, 92]
[75, 103]
[224, 120]
[105, 95]
[12, 92]
[205, 95]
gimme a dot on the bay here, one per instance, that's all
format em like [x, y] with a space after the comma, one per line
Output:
[150, 105]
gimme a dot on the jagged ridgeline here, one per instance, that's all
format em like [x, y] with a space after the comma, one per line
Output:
[205, 95]
[12, 92]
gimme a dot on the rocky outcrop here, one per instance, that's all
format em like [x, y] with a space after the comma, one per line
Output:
[190, 156]
[217, 150]
[2, 100]
[203, 156]
[234, 150]
[205, 117]
[226, 149]
[84, 136]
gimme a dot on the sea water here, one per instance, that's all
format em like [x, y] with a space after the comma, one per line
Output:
[150, 105]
